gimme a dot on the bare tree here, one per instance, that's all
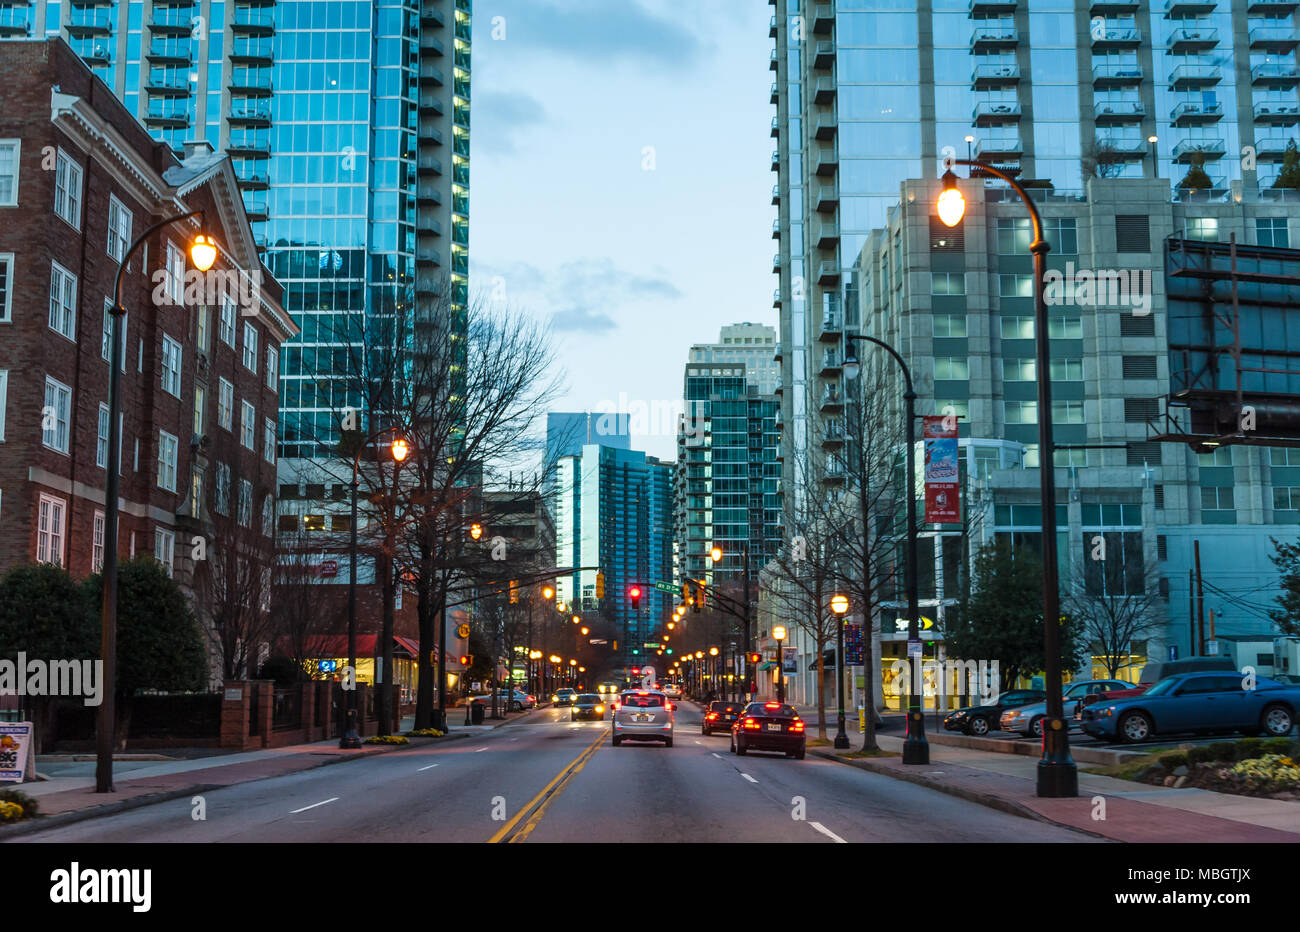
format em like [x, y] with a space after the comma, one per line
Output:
[1114, 595]
[299, 602]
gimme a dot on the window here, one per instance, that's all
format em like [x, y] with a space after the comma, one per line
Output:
[1063, 234]
[196, 492]
[1014, 236]
[175, 274]
[1203, 228]
[1287, 499]
[164, 548]
[54, 416]
[4, 394]
[49, 534]
[1277, 456]
[1017, 370]
[1016, 286]
[245, 516]
[225, 403]
[168, 447]
[6, 287]
[119, 229]
[247, 415]
[1219, 456]
[1067, 412]
[97, 543]
[101, 439]
[951, 367]
[67, 189]
[1071, 457]
[1021, 412]
[1217, 498]
[268, 440]
[272, 368]
[950, 325]
[1064, 328]
[1018, 328]
[953, 408]
[268, 516]
[222, 502]
[1067, 370]
[227, 321]
[250, 346]
[9, 152]
[947, 283]
[171, 366]
[1272, 231]
[202, 329]
[63, 301]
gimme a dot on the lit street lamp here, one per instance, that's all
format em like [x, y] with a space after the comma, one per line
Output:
[840, 605]
[203, 253]
[778, 634]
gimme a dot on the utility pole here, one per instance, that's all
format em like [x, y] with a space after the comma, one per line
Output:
[1200, 601]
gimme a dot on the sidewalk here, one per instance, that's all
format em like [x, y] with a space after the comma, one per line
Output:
[1134, 812]
[69, 799]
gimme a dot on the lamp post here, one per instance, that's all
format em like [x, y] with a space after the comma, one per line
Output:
[916, 749]
[399, 449]
[1155, 165]
[203, 253]
[1057, 774]
[778, 634]
[840, 605]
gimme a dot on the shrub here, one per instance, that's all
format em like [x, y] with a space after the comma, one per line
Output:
[1275, 745]
[1172, 760]
[10, 812]
[1223, 751]
[29, 805]
[425, 733]
[388, 739]
[1199, 755]
[1249, 748]
[1271, 773]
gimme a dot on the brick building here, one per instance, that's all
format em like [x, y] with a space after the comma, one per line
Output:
[79, 180]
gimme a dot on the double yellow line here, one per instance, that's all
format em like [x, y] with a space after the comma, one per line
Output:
[537, 805]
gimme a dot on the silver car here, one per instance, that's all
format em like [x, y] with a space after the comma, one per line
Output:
[643, 715]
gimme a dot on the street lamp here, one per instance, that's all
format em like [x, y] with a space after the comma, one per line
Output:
[203, 253]
[778, 634]
[1057, 774]
[840, 605]
[744, 663]
[475, 531]
[1155, 165]
[399, 449]
[916, 750]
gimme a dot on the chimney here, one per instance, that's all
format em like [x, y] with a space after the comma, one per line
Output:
[197, 147]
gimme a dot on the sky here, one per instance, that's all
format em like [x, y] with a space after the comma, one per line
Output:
[620, 186]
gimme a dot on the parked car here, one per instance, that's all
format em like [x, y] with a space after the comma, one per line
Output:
[1197, 702]
[518, 700]
[720, 716]
[981, 719]
[588, 705]
[1151, 674]
[643, 715]
[564, 696]
[769, 726]
[1028, 719]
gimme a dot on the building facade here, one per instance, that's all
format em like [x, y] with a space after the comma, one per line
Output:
[752, 344]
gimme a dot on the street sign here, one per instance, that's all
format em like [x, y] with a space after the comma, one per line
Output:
[666, 587]
[655, 644]
[853, 645]
[328, 568]
[462, 631]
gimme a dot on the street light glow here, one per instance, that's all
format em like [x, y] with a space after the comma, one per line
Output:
[779, 632]
[716, 554]
[951, 205]
[203, 252]
[401, 450]
[839, 603]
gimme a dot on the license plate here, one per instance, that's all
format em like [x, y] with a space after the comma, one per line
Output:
[773, 727]
[641, 718]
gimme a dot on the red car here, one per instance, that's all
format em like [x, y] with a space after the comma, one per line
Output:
[769, 726]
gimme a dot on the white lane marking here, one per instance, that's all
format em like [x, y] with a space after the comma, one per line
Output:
[514, 739]
[828, 833]
[717, 755]
[313, 805]
[749, 778]
[699, 742]
[477, 750]
[430, 767]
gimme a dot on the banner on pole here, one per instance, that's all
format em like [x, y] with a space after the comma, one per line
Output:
[942, 504]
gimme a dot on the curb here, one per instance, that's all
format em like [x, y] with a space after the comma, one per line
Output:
[42, 823]
[1030, 748]
[984, 799]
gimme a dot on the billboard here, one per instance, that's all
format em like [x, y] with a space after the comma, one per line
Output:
[942, 473]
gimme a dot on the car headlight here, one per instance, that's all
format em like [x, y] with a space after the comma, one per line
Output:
[600, 708]
[1104, 713]
[1012, 715]
[957, 715]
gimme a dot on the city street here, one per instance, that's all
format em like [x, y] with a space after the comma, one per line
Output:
[494, 788]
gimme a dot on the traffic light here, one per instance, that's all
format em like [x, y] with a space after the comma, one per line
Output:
[634, 593]
[699, 597]
[686, 594]
[600, 585]
[514, 592]
[755, 658]
[467, 660]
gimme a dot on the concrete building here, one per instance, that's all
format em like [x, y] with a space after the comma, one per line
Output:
[752, 344]
[199, 367]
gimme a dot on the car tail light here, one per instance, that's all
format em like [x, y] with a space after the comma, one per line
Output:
[771, 705]
[668, 706]
[796, 725]
[711, 715]
[749, 722]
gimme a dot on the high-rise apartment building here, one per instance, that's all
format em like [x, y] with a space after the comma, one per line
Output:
[1136, 126]
[752, 344]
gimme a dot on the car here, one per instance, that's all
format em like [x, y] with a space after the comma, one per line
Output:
[769, 726]
[1197, 702]
[643, 715]
[673, 691]
[564, 696]
[588, 705]
[981, 719]
[720, 716]
[518, 700]
[1028, 719]
[1151, 674]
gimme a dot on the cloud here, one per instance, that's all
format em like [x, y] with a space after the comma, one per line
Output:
[582, 318]
[499, 115]
[593, 30]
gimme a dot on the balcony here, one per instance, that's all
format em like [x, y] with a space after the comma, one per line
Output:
[823, 55]
[835, 474]
[992, 113]
[14, 21]
[776, 263]
[431, 75]
[1188, 148]
[1116, 75]
[778, 388]
[1120, 149]
[1178, 9]
[773, 60]
[828, 234]
[776, 92]
[776, 160]
[173, 119]
[826, 160]
[824, 91]
[1198, 39]
[427, 164]
[776, 298]
[828, 198]
[832, 402]
[169, 53]
[828, 273]
[251, 22]
[831, 329]
[823, 18]
[831, 363]
[776, 194]
[776, 229]
[1271, 148]
[252, 53]
[986, 77]
[987, 39]
[1112, 6]
[1109, 113]
[250, 148]
[252, 181]
[776, 127]
[99, 25]
[992, 7]
[432, 44]
[167, 85]
[1188, 76]
[771, 28]
[1190, 113]
[427, 191]
[824, 126]
[1115, 39]
[1277, 74]
[250, 116]
[431, 102]
[1277, 39]
[98, 56]
[1271, 7]
[250, 85]
[833, 436]
[1275, 113]
[1006, 147]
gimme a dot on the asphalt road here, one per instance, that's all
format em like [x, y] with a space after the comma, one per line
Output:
[545, 779]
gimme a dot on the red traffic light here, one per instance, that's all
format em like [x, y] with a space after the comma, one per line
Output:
[634, 593]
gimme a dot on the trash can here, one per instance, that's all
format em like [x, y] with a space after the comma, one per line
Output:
[476, 712]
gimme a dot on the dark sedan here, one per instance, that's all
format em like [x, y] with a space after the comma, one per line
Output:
[720, 716]
[769, 726]
[979, 720]
[588, 706]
